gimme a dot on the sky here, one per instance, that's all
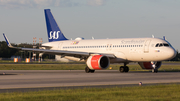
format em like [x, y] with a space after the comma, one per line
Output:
[21, 20]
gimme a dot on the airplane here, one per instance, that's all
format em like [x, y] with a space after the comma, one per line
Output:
[99, 53]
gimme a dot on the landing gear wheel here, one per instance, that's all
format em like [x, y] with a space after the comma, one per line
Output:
[121, 69]
[155, 70]
[92, 71]
[126, 69]
[87, 70]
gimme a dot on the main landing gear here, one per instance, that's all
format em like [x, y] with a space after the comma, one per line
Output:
[124, 68]
[87, 70]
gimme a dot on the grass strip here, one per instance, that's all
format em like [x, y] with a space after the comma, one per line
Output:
[169, 92]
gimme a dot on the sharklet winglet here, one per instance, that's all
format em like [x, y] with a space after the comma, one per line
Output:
[7, 41]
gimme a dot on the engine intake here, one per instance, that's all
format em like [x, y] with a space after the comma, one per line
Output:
[98, 62]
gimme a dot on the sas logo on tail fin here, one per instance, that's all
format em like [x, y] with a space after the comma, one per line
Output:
[53, 30]
[54, 35]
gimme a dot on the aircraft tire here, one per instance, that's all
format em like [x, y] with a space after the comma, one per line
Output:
[87, 70]
[126, 69]
[121, 69]
[155, 70]
[92, 71]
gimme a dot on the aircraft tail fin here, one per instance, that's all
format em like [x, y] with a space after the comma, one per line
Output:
[53, 30]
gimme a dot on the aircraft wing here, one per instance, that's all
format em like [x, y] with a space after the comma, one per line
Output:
[59, 52]
[65, 53]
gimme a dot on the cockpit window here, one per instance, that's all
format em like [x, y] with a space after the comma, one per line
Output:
[162, 44]
[157, 45]
[165, 44]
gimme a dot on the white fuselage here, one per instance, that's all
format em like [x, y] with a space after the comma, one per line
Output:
[127, 49]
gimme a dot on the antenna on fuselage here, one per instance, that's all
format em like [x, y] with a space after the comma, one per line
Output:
[152, 36]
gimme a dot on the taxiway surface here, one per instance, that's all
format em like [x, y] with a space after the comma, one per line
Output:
[64, 78]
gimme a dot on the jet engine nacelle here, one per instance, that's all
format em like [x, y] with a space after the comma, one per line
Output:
[98, 62]
[149, 65]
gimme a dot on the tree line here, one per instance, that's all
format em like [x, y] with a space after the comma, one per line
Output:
[6, 52]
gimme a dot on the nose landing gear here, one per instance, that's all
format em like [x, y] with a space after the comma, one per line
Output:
[154, 70]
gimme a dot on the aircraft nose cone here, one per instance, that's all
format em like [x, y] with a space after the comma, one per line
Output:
[175, 53]
[170, 53]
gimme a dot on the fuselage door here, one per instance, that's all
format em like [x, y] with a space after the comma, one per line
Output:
[60, 45]
[146, 46]
[109, 47]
